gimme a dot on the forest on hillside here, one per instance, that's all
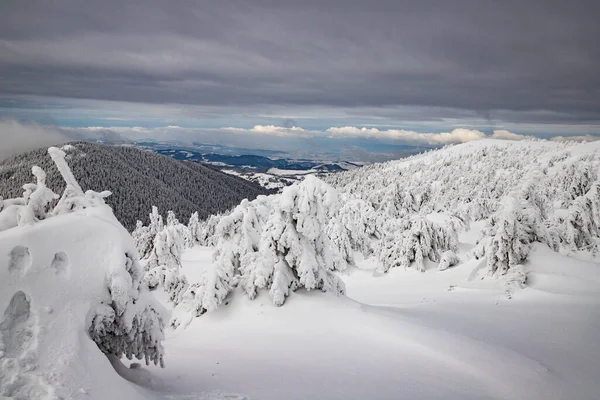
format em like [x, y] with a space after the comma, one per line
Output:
[137, 179]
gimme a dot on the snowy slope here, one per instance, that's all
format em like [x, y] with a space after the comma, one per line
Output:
[404, 335]
[456, 334]
[53, 275]
[461, 333]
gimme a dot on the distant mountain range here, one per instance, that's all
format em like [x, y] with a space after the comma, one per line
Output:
[138, 180]
[258, 161]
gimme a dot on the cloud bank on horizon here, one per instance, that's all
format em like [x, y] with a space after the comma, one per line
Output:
[405, 71]
[348, 142]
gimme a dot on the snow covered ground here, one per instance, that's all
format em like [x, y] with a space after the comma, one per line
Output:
[404, 335]
[267, 181]
[70, 277]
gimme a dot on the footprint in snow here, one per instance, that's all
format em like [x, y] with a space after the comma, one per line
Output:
[18, 343]
[60, 263]
[20, 259]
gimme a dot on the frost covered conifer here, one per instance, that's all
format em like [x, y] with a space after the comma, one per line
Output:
[124, 324]
[156, 221]
[164, 261]
[207, 231]
[413, 239]
[295, 250]
[143, 239]
[32, 207]
[276, 243]
[355, 227]
[194, 228]
[579, 227]
[508, 234]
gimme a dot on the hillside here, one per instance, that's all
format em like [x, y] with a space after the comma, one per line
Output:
[433, 278]
[457, 266]
[138, 180]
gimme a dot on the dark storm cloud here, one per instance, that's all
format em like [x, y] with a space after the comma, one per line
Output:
[472, 55]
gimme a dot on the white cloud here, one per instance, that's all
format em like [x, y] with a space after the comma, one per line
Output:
[16, 137]
[459, 135]
[268, 130]
[507, 135]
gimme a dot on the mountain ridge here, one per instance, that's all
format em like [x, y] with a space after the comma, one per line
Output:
[138, 179]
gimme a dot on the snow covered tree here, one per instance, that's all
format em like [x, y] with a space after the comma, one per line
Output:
[143, 236]
[579, 227]
[355, 227]
[276, 243]
[143, 239]
[295, 250]
[413, 239]
[207, 231]
[508, 234]
[194, 228]
[182, 230]
[164, 261]
[156, 221]
[122, 324]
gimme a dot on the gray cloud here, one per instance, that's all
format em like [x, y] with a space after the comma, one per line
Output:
[515, 59]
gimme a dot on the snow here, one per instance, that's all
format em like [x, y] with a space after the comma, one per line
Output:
[54, 281]
[403, 335]
[265, 180]
[455, 333]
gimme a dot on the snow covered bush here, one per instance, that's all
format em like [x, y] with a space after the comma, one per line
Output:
[514, 280]
[449, 259]
[276, 243]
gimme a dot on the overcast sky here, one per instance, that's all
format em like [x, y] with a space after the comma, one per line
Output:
[528, 67]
